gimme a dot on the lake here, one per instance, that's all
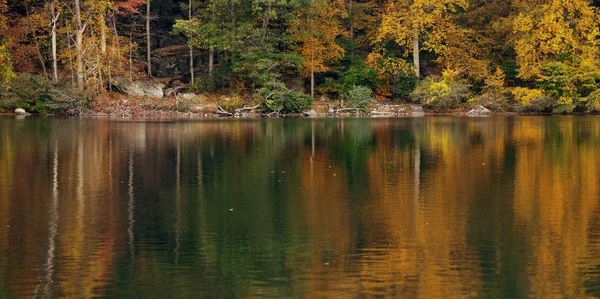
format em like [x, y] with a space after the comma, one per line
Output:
[433, 207]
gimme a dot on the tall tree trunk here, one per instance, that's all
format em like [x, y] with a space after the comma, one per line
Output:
[190, 44]
[70, 55]
[79, 44]
[37, 43]
[148, 48]
[351, 15]
[102, 34]
[117, 42]
[211, 48]
[416, 54]
[312, 84]
[211, 60]
[131, 54]
[54, 16]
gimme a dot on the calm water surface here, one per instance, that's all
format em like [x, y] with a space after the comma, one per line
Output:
[501, 207]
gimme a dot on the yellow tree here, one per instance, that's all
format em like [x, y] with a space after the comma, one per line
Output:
[5, 62]
[553, 30]
[408, 22]
[315, 29]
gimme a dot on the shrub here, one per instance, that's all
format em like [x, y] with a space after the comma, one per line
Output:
[359, 96]
[278, 98]
[534, 100]
[38, 95]
[593, 101]
[405, 84]
[442, 94]
[232, 103]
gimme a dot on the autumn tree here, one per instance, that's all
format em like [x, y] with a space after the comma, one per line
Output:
[556, 44]
[409, 23]
[5, 61]
[315, 30]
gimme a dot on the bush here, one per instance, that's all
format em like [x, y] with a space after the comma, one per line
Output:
[405, 84]
[359, 96]
[232, 103]
[532, 100]
[593, 101]
[441, 95]
[278, 98]
[38, 95]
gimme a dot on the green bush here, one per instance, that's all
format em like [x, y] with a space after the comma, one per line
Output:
[278, 98]
[440, 95]
[40, 96]
[593, 101]
[359, 96]
[405, 84]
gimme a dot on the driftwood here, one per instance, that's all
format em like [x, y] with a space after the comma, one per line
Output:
[334, 111]
[222, 112]
[247, 108]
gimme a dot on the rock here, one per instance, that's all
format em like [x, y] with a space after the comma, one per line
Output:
[417, 111]
[416, 108]
[188, 96]
[479, 110]
[20, 111]
[139, 88]
[310, 113]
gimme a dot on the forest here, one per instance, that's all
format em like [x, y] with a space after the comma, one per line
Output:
[540, 56]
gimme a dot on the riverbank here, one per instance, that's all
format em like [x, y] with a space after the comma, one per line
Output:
[115, 104]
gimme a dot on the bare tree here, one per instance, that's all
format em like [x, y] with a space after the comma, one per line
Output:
[55, 17]
[148, 48]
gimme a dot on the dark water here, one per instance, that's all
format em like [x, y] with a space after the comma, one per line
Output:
[503, 207]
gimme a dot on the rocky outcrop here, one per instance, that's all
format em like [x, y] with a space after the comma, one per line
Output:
[310, 113]
[139, 88]
[479, 110]
[20, 111]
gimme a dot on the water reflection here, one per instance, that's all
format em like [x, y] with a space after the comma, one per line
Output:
[416, 208]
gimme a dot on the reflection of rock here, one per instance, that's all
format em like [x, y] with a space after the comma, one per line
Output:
[139, 88]
[20, 111]
[310, 113]
[479, 110]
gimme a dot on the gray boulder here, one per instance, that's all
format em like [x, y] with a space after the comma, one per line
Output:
[20, 111]
[139, 88]
[479, 110]
[310, 113]
[416, 108]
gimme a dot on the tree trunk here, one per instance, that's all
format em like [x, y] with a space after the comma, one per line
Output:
[53, 40]
[79, 44]
[37, 44]
[312, 84]
[211, 60]
[416, 54]
[351, 15]
[70, 56]
[102, 34]
[190, 44]
[148, 48]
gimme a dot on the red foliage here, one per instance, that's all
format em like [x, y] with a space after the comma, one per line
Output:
[22, 50]
[129, 6]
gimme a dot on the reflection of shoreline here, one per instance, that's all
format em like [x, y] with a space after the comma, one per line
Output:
[382, 207]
